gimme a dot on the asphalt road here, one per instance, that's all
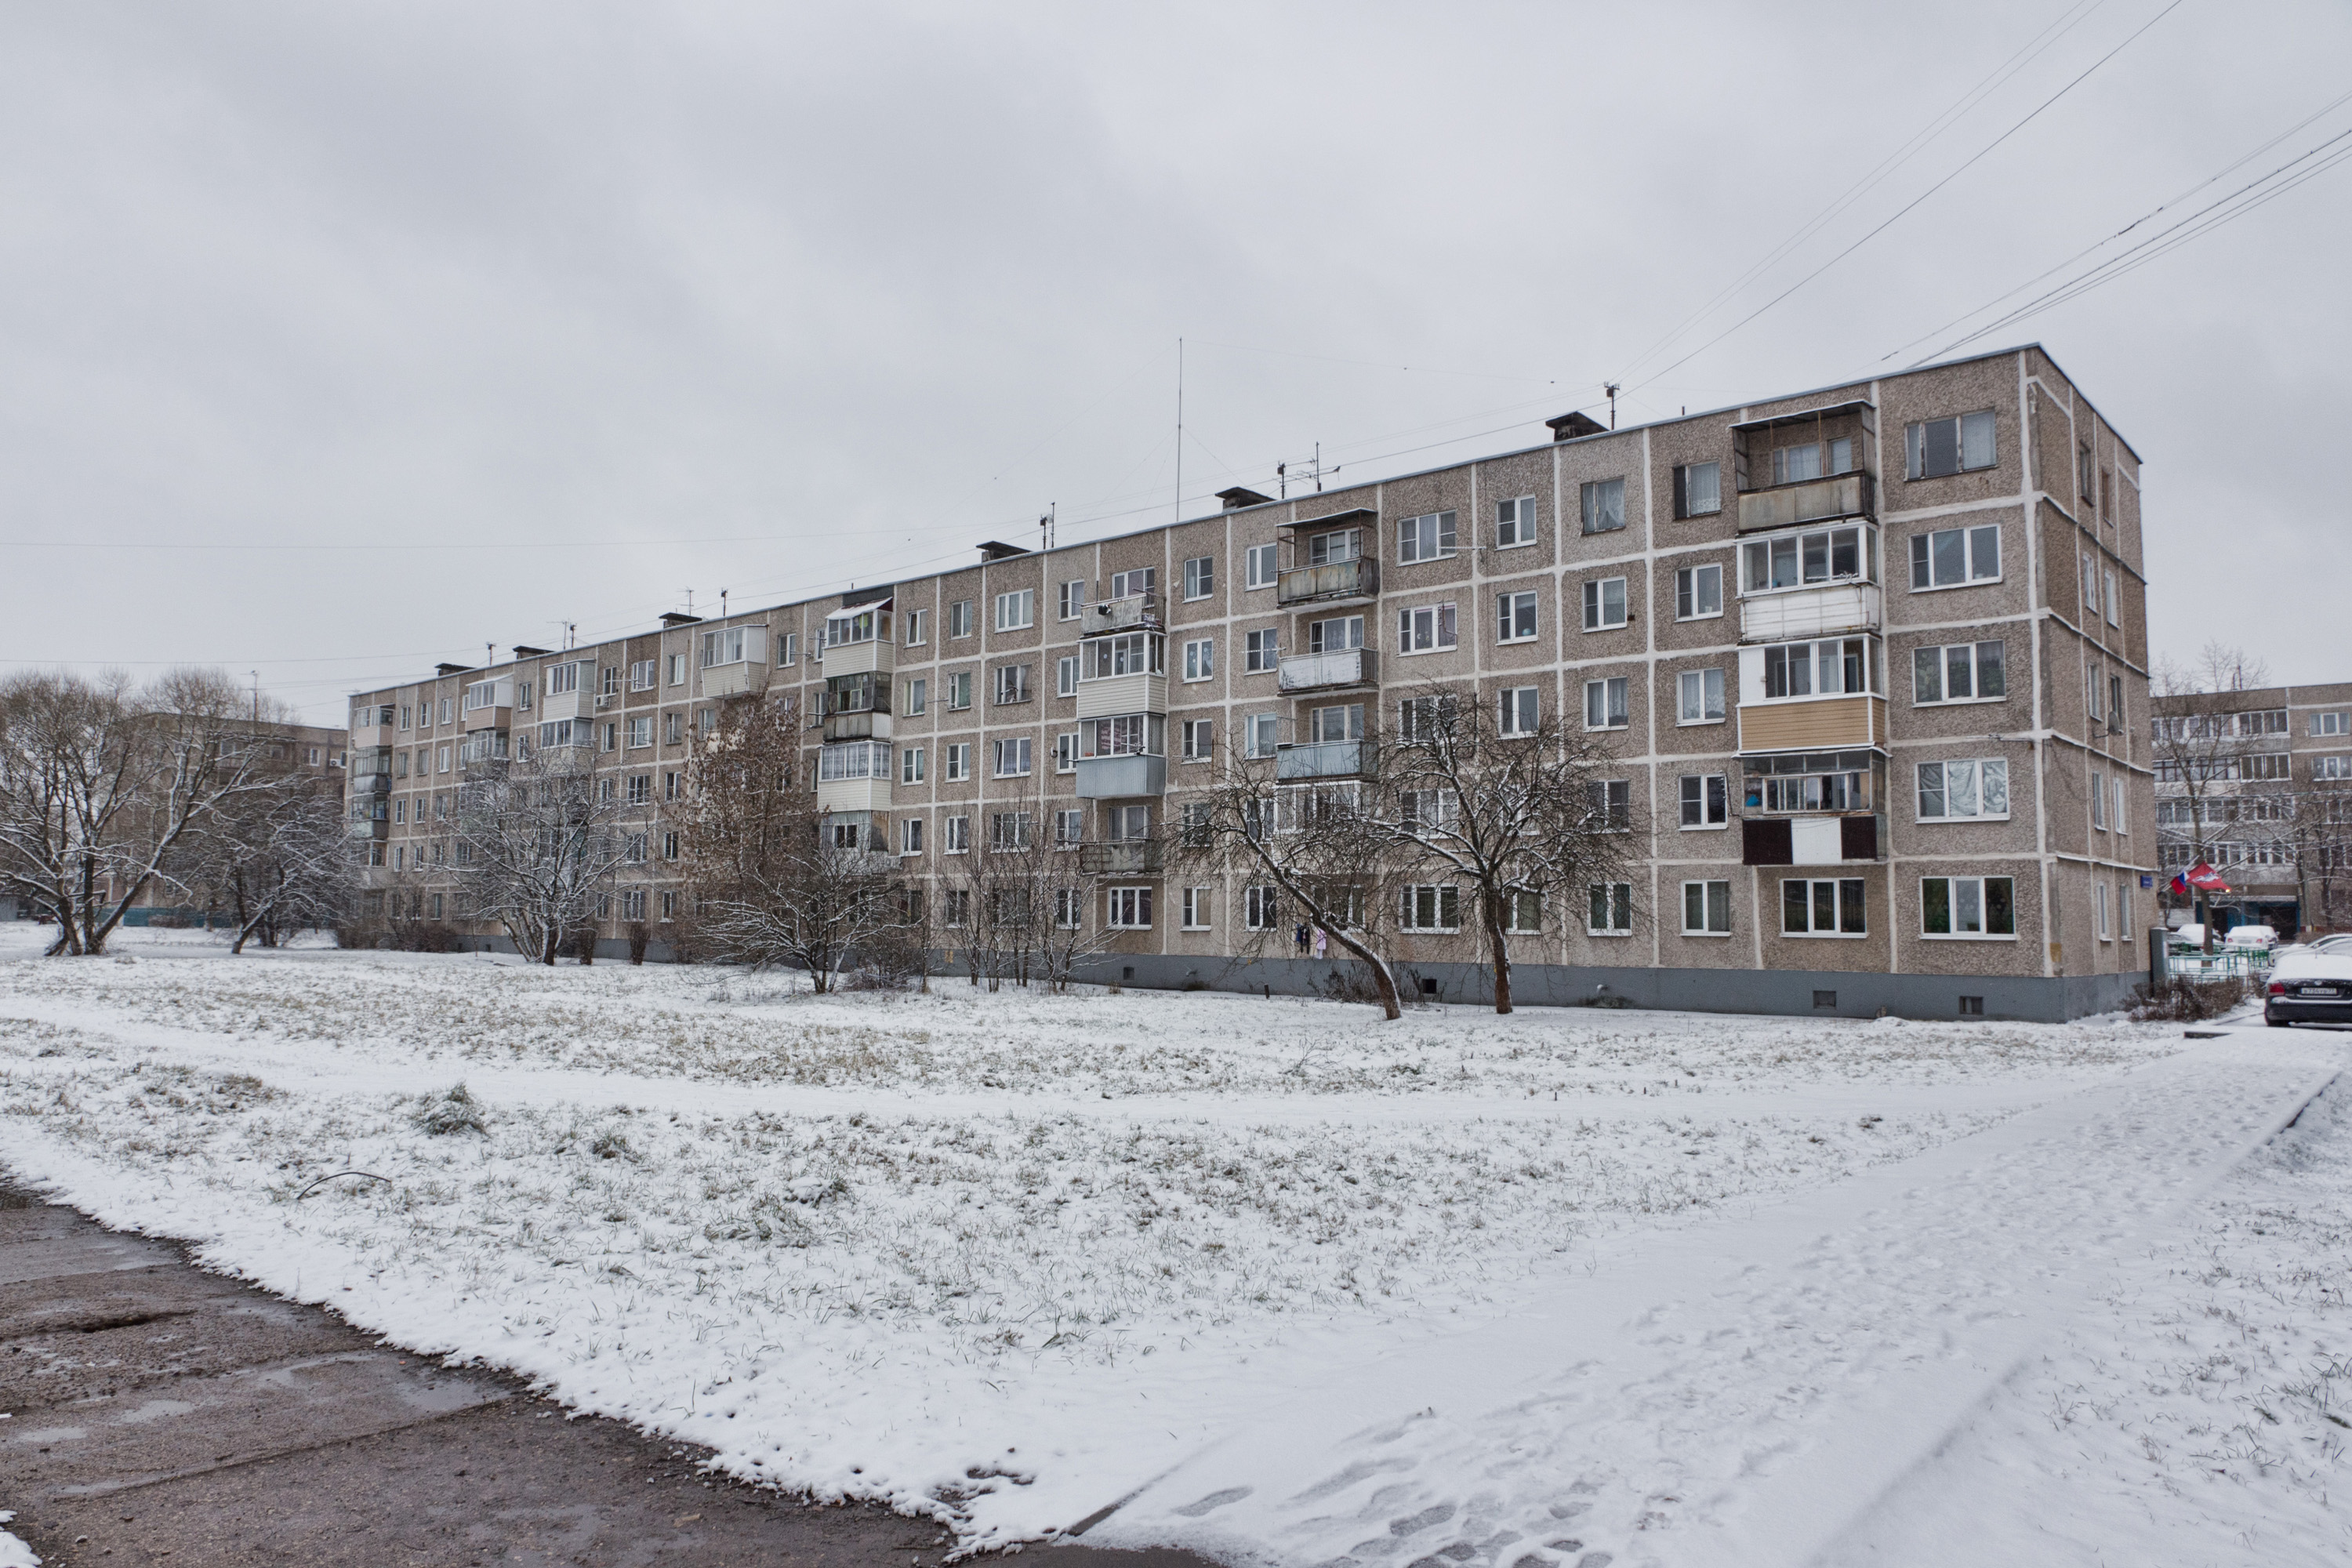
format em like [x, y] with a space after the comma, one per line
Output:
[160, 1415]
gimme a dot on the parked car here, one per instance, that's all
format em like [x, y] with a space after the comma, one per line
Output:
[2309, 987]
[2257, 936]
[2188, 936]
[2340, 942]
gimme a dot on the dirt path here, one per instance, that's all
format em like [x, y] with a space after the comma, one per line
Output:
[157, 1413]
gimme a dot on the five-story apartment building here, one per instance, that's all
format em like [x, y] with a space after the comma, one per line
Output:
[1871, 662]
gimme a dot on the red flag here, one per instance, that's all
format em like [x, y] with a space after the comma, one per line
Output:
[2202, 875]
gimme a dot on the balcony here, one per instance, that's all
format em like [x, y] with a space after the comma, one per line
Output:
[739, 679]
[1305, 761]
[483, 746]
[1121, 778]
[1327, 671]
[366, 737]
[1113, 695]
[1811, 840]
[1131, 858]
[864, 725]
[1813, 724]
[1807, 501]
[873, 656]
[1137, 612]
[573, 704]
[1795, 614]
[1359, 579]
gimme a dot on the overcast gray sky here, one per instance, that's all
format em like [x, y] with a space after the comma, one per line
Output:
[583, 306]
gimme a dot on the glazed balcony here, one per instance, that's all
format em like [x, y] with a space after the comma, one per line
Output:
[1304, 762]
[1128, 858]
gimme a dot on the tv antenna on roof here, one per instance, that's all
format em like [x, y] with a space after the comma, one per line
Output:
[1610, 388]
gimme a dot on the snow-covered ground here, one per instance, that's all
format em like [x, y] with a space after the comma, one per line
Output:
[1298, 1284]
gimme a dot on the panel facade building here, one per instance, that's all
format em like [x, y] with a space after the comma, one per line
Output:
[1882, 644]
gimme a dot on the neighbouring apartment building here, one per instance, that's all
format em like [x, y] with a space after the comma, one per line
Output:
[1873, 655]
[2258, 784]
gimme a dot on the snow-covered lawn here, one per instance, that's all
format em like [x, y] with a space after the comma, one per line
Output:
[1011, 1258]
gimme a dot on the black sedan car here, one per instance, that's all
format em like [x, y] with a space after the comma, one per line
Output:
[2309, 988]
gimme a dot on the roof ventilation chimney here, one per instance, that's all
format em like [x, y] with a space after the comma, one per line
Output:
[1241, 496]
[676, 618]
[451, 669]
[524, 650]
[1575, 423]
[997, 550]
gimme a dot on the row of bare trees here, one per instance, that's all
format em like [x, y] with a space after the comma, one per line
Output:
[112, 792]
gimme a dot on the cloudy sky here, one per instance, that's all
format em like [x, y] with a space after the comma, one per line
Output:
[340, 339]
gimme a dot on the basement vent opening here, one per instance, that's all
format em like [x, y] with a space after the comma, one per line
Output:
[1127, 971]
[1825, 999]
[1972, 1007]
[1428, 987]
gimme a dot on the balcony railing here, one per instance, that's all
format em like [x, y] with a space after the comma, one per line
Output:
[1122, 778]
[1130, 857]
[1806, 500]
[1319, 671]
[863, 725]
[1133, 612]
[1830, 610]
[1299, 762]
[1359, 579]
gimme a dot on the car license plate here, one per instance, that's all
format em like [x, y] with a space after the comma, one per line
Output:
[2316, 990]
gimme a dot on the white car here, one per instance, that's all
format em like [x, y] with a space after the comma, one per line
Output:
[2251, 936]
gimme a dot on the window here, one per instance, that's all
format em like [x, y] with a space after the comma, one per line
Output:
[641, 731]
[918, 697]
[2115, 809]
[1200, 660]
[1196, 909]
[1337, 635]
[1337, 723]
[919, 628]
[955, 908]
[1341, 544]
[1259, 731]
[1826, 907]
[1967, 907]
[1610, 905]
[1514, 523]
[1066, 676]
[1427, 629]
[1070, 601]
[1259, 567]
[1604, 703]
[1260, 651]
[673, 786]
[1812, 460]
[609, 737]
[445, 710]
[669, 846]
[955, 762]
[2331, 723]
[1698, 592]
[959, 691]
[1522, 910]
[1008, 830]
[1706, 799]
[1800, 560]
[1200, 576]
[1605, 506]
[1432, 810]
[2090, 574]
[1069, 828]
[2094, 694]
[1518, 710]
[1016, 610]
[2115, 702]
[2337, 767]
[1130, 909]
[1936, 447]
[1065, 753]
[955, 835]
[734, 644]
[1429, 907]
[441, 760]
[1427, 538]
[1702, 697]
[641, 789]
[1261, 908]
[853, 760]
[1515, 615]
[1134, 581]
[1421, 718]
[633, 849]
[2115, 604]
[562, 677]
[1012, 757]
[1972, 789]
[1609, 802]
[960, 618]
[1959, 672]
[2099, 903]
[605, 790]
[1953, 557]
[1199, 739]
[644, 674]
[910, 835]
[1706, 909]
[1698, 490]
[910, 765]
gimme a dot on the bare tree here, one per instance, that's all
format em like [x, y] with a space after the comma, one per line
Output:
[776, 881]
[102, 783]
[2206, 751]
[1512, 802]
[1312, 843]
[278, 860]
[535, 845]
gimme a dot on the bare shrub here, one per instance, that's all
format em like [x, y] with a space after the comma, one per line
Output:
[2183, 1000]
[452, 1111]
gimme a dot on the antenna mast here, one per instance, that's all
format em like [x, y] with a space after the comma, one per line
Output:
[1179, 429]
[1610, 388]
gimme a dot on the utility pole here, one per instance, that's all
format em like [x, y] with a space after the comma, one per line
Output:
[1180, 430]
[1610, 387]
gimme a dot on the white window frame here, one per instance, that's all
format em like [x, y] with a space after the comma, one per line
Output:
[955, 762]
[910, 835]
[1707, 906]
[1440, 898]
[960, 618]
[1952, 906]
[1591, 502]
[1200, 740]
[918, 627]
[1129, 909]
[1915, 443]
[1431, 536]
[1196, 909]
[1839, 887]
[1686, 592]
[1689, 680]
[910, 765]
[1713, 805]
[1200, 660]
[2324, 726]
[1981, 770]
[1070, 599]
[1618, 717]
[955, 835]
[1443, 624]
[1016, 610]
[1518, 711]
[1684, 506]
[1200, 578]
[1261, 566]
[1971, 537]
[1943, 652]
[1514, 523]
[1066, 676]
[1513, 611]
[1261, 906]
[2113, 608]
[2099, 902]
[1596, 604]
[1019, 749]
[1616, 900]
[1262, 651]
[1066, 751]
